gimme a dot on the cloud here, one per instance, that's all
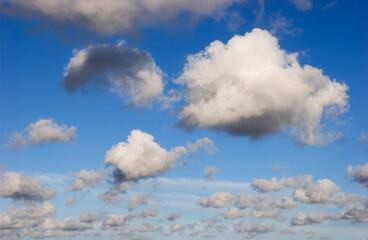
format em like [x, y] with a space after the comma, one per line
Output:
[141, 157]
[302, 219]
[233, 212]
[254, 228]
[174, 215]
[216, 200]
[264, 214]
[88, 217]
[356, 214]
[42, 131]
[177, 227]
[23, 187]
[27, 216]
[137, 200]
[209, 172]
[321, 191]
[252, 87]
[203, 143]
[112, 17]
[285, 203]
[128, 72]
[86, 179]
[359, 174]
[244, 200]
[264, 185]
[361, 139]
[113, 222]
[70, 201]
[302, 5]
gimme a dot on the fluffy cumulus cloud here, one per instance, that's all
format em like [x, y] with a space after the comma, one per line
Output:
[88, 217]
[27, 216]
[42, 131]
[204, 143]
[264, 185]
[321, 191]
[252, 87]
[126, 71]
[23, 187]
[359, 174]
[115, 16]
[303, 219]
[216, 200]
[233, 212]
[85, 179]
[137, 200]
[141, 157]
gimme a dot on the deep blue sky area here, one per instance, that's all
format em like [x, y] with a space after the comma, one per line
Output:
[36, 48]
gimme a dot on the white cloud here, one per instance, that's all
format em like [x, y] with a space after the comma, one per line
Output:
[23, 187]
[129, 73]
[244, 200]
[303, 219]
[233, 212]
[137, 200]
[321, 191]
[27, 216]
[203, 143]
[88, 217]
[254, 228]
[216, 200]
[112, 17]
[86, 179]
[141, 157]
[251, 87]
[356, 214]
[42, 131]
[209, 172]
[285, 203]
[359, 174]
[112, 221]
[264, 185]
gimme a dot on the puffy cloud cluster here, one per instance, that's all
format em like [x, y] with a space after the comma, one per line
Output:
[252, 87]
[254, 228]
[264, 185]
[115, 16]
[88, 217]
[128, 72]
[23, 187]
[303, 219]
[233, 212]
[42, 131]
[86, 179]
[321, 191]
[27, 216]
[359, 174]
[305, 190]
[356, 214]
[216, 200]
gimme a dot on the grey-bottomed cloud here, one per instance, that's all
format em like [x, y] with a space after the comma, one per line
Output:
[128, 72]
[251, 87]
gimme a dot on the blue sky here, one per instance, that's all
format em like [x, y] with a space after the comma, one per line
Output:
[180, 107]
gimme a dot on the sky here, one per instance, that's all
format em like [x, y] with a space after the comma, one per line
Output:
[172, 119]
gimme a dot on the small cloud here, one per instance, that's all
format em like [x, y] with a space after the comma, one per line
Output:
[209, 172]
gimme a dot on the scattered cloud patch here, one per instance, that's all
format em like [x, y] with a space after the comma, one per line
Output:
[42, 131]
[359, 174]
[209, 172]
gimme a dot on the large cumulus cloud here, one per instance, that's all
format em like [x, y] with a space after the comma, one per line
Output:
[128, 72]
[252, 87]
[115, 16]
[23, 187]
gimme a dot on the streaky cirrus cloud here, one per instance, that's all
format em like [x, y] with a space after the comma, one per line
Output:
[116, 16]
[21, 187]
[359, 174]
[126, 71]
[239, 88]
[303, 5]
[42, 131]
